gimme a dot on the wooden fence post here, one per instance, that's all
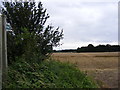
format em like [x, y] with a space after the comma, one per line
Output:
[3, 49]
[0, 52]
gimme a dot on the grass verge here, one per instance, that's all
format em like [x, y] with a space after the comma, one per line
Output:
[48, 74]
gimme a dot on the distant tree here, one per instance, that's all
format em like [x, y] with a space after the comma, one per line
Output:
[101, 48]
[31, 38]
[90, 46]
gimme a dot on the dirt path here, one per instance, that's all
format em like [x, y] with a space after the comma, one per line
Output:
[106, 78]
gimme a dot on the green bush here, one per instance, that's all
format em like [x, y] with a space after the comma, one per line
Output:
[31, 37]
[48, 74]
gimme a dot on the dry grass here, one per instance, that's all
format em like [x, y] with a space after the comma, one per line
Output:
[101, 66]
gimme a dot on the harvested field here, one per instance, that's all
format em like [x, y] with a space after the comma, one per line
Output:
[103, 67]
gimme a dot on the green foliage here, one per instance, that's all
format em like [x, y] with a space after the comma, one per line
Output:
[99, 48]
[48, 74]
[31, 38]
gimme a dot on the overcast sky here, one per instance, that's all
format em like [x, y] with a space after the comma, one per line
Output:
[84, 21]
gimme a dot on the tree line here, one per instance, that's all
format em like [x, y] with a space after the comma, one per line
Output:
[92, 48]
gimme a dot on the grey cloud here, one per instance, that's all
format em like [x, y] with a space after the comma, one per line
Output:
[83, 21]
[89, 22]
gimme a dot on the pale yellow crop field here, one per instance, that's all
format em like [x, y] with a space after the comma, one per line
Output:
[103, 67]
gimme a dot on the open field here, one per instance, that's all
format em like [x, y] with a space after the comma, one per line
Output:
[103, 67]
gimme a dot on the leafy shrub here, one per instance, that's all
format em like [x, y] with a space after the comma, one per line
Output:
[30, 36]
